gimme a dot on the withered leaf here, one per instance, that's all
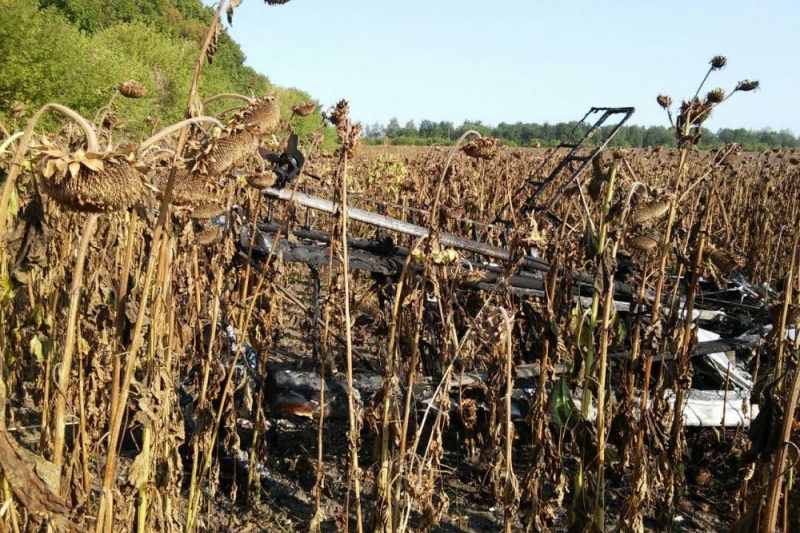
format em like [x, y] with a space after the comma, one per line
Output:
[74, 168]
[212, 46]
[93, 163]
[50, 168]
[233, 4]
[139, 469]
[29, 488]
[61, 165]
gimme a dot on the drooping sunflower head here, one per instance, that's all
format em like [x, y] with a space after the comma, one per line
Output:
[88, 182]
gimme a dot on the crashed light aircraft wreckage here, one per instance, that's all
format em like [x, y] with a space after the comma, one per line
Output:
[718, 358]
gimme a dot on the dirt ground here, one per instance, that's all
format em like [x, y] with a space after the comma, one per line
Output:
[708, 503]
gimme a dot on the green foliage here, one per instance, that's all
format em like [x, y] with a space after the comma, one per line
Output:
[13, 204]
[75, 52]
[302, 126]
[562, 406]
[162, 64]
[386, 170]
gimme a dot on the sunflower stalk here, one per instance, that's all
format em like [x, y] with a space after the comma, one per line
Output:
[683, 357]
[511, 489]
[178, 126]
[594, 310]
[778, 469]
[354, 424]
[590, 364]
[65, 378]
[387, 521]
[427, 244]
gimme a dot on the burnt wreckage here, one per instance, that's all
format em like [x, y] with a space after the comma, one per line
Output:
[724, 395]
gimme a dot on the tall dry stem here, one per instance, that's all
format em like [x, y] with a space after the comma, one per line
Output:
[511, 489]
[353, 417]
[778, 469]
[65, 378]
[105, 513]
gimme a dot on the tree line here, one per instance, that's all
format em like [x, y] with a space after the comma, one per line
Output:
[531, 134]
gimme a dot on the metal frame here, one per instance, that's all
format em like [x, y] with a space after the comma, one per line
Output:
[530, 204]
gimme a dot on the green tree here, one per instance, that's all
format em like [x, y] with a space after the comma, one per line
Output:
[75, 52]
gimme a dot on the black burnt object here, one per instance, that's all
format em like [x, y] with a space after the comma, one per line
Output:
[286, 166]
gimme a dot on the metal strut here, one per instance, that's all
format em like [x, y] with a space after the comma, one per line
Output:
[621, 114]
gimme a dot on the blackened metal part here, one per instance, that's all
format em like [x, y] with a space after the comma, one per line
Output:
[413, 212]
[316, 254]
[744, 342]
[269, 155]
[384, 246]
[575, 145]
[522, 285]
[286, 166]
[384, 257]
[371, 256]
[487, 250]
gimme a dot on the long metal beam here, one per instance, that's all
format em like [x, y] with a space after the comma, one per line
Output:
[382, 221]
[448, 239]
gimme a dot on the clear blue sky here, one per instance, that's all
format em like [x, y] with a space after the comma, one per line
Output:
[528, 61]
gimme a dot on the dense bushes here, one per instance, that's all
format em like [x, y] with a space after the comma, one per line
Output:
[75, 52]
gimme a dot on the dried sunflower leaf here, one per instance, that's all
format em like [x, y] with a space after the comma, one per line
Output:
[93, 164]
[74, 168]
[138, 471]
[36, 349]
[50, 168]
[233, 4]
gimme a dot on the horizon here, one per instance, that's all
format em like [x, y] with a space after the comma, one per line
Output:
[520, 62]
[631, 122]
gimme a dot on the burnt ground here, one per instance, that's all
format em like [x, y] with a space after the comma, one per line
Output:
[708, 501]
[286, 503]
[286, 466]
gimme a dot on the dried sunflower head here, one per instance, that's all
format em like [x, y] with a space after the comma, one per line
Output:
[222, 154]
[664, 101]
[207, 210]
[718, 62]
[262, 115]
[716, 96]
[340, 113]
[648, 212]
[482, 148]
[696, 112]
[261, 181]
[725, 261]
[644, 243]
[111, 120]
[747, 86]
[89, 182]
[187, 190]
[207, 237]
[132, 89]
[303, 110]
